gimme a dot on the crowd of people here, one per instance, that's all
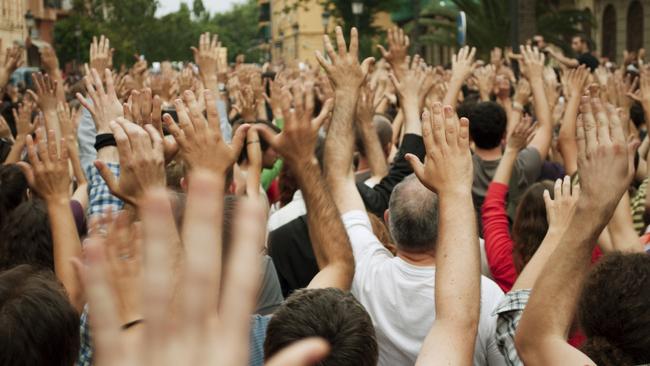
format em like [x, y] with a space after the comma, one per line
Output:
[354, 212]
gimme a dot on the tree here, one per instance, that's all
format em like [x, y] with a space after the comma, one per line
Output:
[238, 30]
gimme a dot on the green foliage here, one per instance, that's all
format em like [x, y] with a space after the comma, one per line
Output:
[132, 28]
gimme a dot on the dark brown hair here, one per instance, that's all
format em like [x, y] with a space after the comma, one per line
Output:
[614, 310]
[530, 224]
[332, 314]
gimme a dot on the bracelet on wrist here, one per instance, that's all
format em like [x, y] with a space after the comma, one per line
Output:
[103, 140]
[132, 323]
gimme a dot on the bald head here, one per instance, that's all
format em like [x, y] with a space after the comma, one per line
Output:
[413, 216]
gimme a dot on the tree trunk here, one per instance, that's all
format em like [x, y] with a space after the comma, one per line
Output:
[527, 20]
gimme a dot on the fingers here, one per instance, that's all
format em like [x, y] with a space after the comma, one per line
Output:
[416, 165]
[239, 139]
[108, 177]
[581, 138]
[354, 42]
[589, 122]
[548, 202]
[324, 112]
[212, 111]
[267, 134]
[341, 47]
[566, 186]
[28, 171]
[451, 126]
[602, 121]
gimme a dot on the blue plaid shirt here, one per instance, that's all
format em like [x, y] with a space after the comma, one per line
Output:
[99, 195]
[509, 311]
[86, 349]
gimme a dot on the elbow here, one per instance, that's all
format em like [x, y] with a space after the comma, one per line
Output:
[524, 343]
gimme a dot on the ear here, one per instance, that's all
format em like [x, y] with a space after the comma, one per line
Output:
[386, 216]
[184, 184]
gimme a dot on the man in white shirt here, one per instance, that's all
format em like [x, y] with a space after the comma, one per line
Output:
[396, 291]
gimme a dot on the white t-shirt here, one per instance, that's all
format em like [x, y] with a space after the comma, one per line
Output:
[288, 213]
[399, 298]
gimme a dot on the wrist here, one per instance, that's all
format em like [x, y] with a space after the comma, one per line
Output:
[57, 199]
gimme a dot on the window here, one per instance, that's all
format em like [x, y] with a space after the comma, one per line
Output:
[609, 32]
[634, 26]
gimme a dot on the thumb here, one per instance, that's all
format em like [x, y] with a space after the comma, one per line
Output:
[111, 182]
[27, 171]
[267, 134]
[302, 353]
[416, 165]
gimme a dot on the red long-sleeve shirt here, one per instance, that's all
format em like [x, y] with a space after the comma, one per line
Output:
[496, 233]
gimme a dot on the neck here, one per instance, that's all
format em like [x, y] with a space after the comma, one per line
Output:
[489, 154]
[426, 259]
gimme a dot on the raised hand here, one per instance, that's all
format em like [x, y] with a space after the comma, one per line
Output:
[206, 57]
[485, 76]
[10, 60]
[142, 163]
[448, 164]
[344, 70]
[462, 64]
[69, 121]
[521, 135]
[101, 54]
[561, 208]
[533, 62]
[297, 141]
[398, 47]
[23, 118]
[603, 151]
[47, 171]
[576, 81]
[522, 93]
[105, 106]
[200, 141]
[45, 95]
[415, 82]
[49, 60]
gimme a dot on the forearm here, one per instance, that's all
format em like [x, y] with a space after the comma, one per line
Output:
[339, 147]
[567, 140]
[451, 98]
[458, 266]
[16, 150]
[621, 228]
[559, 284]
[66, 246]
[374, 151]
[397, 127]
[534, 267]
[571, 62]
[544, 133]
[329, 239]
[514, 116]
[504, 170]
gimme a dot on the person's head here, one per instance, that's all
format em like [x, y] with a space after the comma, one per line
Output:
[579, 44]
[38, 325]
[384, 132]
[26, 238]
[413, 216]
[329, 313]
[613, 310]
[13, 189]
[487, 124]
[530, 224]
[636, 115]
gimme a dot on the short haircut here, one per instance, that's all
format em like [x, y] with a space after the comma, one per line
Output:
[26, 237]
[384, 132]
[413, 216]
[38, 325]
[613, 310]
[487, 124]
[329, 313]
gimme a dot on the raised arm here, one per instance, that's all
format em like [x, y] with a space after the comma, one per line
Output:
[448, 172]
[496, 227]
[347, 76]
[567, 61]
[297, 144]
[462, 66]
[374, 150]
[576, 83]
[47, 174]
[606, 168]
[534, 70]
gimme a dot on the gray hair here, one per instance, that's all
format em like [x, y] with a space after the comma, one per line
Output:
[413, 216]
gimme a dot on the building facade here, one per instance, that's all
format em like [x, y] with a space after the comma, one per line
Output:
[294, 32]
[12, 21]
[622, 25]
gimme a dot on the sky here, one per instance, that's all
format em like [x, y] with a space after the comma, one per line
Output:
[170, 6]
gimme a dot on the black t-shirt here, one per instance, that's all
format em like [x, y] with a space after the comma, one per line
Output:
[589, 60]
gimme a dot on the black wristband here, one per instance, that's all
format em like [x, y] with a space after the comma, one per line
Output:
[104, 139]
[132, 323]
